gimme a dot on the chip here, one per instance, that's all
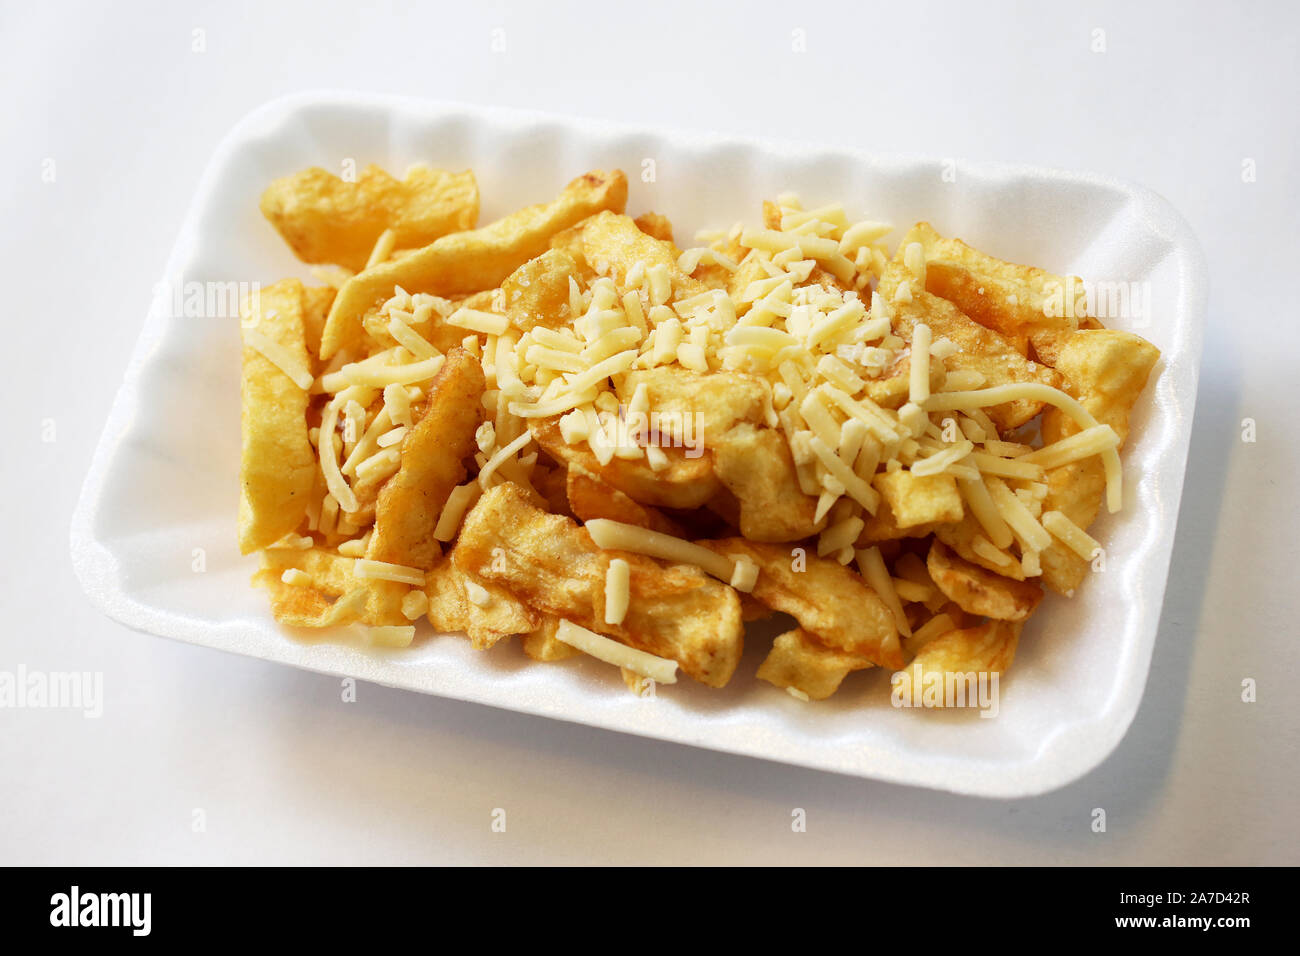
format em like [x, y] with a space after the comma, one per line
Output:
[883, 526]
[316, 302]
[590, 497]
[979, 591]
[486, 623]
[799, 660]
[541, 644]
[655, 226]
[954, 661]
[325, 219]
[919, 500]
[432, 453]
[981, 350]
[335, 595]
[687, 480]
[550, 563]
[537, 293]
[1021, 303]
[277, 464]
[963, 537]
[1107, 371]
[468, 262]
[698, 409]
[755, 465]
[612, 244]
[829, 600]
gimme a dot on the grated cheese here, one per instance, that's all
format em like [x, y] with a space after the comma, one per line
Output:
[839, 536]
[919, 381]
[279, 356]
[499, 457]
[872, 565]
[461, 499]
[1037, 392]
[658, 669]
[415, 605]
[380, 376]
[329, 461]
[390, 635]
[1071, 535]
[976, 495]
[383, 571]
[617, 536]
[476, 320]
[1083, 444]
[476, 593]
[617, 590]
[1014, 513]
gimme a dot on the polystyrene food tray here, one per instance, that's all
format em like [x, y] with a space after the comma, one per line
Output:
[161, 496]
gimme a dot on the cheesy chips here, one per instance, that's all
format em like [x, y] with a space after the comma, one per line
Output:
[563, 426]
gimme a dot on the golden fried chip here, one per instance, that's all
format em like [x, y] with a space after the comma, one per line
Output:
[612, 244]
[961, 538]
[316, 302]
[451, 608]
[698, 408]
[883, 526]
[410, 502]
[799, 660]
[979, 591]
[1107, 371]
[470, 261]
[591, 497]
[919, 500]
[335, 595]
[569, 241]
[1076, 490]
[954, 661]
[277, 463]
[724, 413]
[327, 220]
[891, 389]
[537, 293]
[910, 571]
[541, 644]
[828, 600]
[552, 565]
[655, 226]
[687, 482]
[1022, 303]
[981, 350]
[755, 465]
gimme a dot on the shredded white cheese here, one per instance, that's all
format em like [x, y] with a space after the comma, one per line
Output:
[658, 669]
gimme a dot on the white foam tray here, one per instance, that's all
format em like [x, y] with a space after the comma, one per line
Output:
[164, 478]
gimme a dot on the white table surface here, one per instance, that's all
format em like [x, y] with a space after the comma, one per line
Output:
[283, 771]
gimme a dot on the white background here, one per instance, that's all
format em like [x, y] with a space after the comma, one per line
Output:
[285, 772]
